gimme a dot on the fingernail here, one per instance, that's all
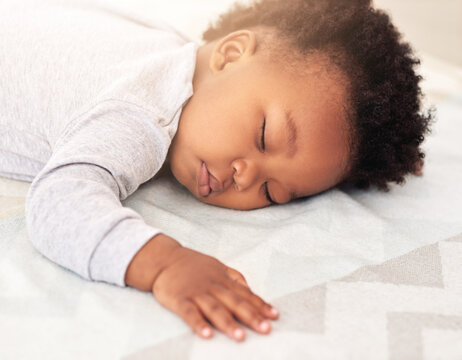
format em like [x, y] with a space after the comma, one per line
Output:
[238, 333]
[206, 332]
[274, 311]
[264, 326]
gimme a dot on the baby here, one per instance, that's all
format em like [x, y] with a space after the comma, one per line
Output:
[285, 99]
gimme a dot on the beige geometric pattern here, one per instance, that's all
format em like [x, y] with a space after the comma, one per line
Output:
[421, 267]
[177, 348]
[386, 311]
[405, 332]
[399, 299]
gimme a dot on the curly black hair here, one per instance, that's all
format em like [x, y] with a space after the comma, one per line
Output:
[385, 99]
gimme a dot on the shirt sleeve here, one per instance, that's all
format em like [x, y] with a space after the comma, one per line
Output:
[73, 210]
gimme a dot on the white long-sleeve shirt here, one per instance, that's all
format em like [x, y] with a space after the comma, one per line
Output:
[90, 99]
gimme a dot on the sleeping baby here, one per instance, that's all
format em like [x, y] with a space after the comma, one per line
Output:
[283, 100]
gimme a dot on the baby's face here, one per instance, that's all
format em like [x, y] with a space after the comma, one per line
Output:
[254, 134]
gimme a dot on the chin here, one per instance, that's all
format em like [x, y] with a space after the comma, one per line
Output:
[177, 175]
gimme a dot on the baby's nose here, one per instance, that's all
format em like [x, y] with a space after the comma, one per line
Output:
[245, 173]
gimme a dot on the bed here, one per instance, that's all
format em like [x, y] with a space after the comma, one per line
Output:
[355, 274]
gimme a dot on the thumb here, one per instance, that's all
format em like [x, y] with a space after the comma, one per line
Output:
[237, 276]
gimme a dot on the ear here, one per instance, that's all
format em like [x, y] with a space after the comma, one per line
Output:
[235, 46]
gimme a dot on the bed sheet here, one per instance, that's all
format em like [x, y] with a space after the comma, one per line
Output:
[355, 274]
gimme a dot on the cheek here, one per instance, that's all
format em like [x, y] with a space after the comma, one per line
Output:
[181, 162]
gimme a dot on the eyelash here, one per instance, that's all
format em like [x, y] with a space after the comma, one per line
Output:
[263, 135]
[268, 197]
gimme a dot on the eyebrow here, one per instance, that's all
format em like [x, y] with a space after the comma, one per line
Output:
[291, 130]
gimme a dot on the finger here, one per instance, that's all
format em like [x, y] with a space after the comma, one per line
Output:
[242, 309]
[237, 276]
[263, 307]
[189, 312]
[219, 316]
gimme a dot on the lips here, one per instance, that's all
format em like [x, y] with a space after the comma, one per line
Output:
[206, 182]
[203, 181]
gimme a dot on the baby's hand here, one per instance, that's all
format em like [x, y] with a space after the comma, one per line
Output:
[199, 287]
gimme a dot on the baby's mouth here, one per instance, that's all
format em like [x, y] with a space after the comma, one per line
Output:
[203, 180]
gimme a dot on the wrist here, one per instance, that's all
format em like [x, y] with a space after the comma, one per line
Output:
[149, 262]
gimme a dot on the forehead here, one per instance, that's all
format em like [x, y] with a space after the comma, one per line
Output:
[315, 99]
[314, 92]
[314, 76]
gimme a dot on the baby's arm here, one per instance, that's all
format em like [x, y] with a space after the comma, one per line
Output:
[75, 218]
[198, 287]
[73, 209]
